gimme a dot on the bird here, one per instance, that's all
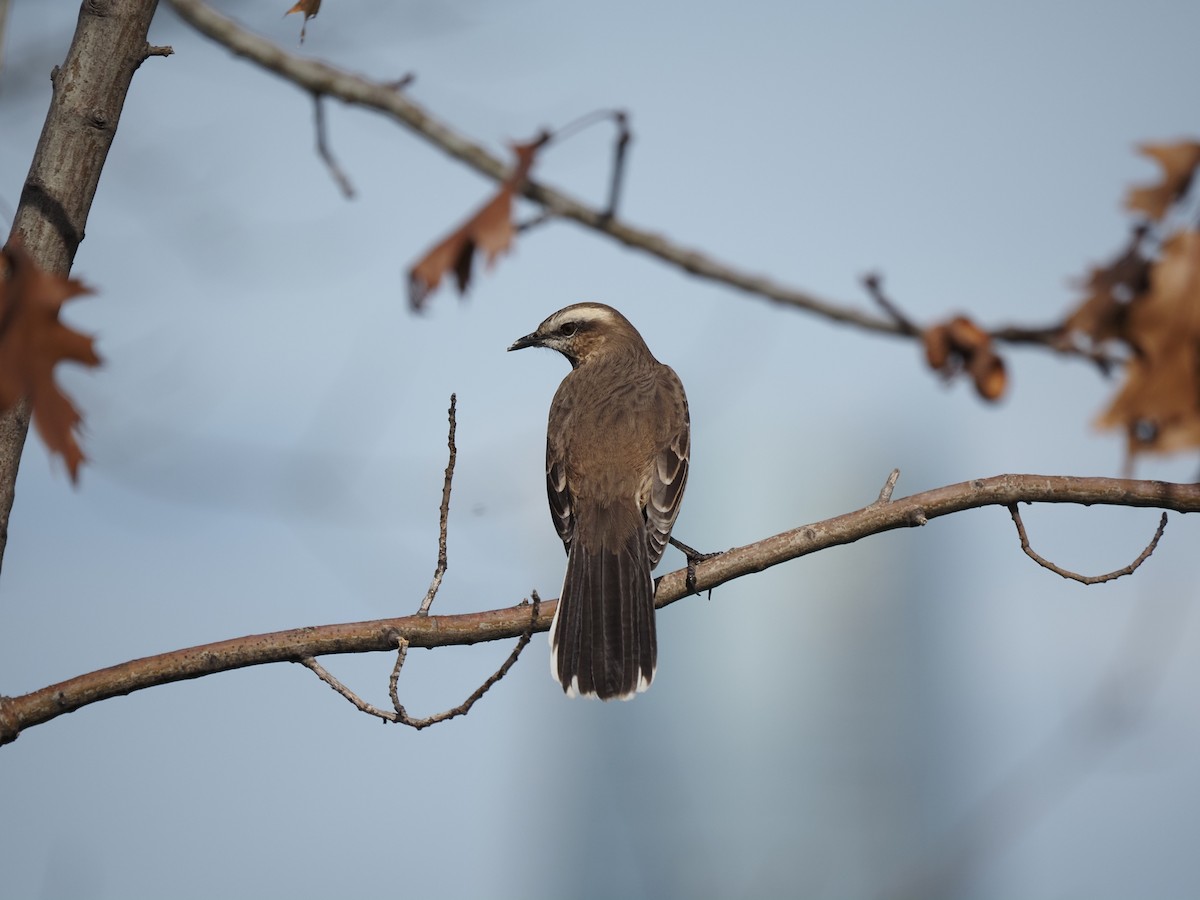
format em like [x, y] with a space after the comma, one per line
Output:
[618, 443]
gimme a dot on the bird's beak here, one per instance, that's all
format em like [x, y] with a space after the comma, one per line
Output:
[530, 340]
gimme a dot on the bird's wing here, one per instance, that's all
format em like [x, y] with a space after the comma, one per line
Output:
[669, 475]
[558, 492]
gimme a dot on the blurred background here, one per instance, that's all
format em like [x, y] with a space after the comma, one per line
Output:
[924, 714]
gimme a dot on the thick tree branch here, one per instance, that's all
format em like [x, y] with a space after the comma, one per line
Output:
[18, 713]
[89, 94]
[321, 78]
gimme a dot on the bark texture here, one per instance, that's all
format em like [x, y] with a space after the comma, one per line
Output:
[89, 93]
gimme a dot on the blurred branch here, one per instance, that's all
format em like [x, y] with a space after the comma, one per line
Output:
[18, 713]
[1070, 754]
[88, 95]
[321, 79]
[3, 29]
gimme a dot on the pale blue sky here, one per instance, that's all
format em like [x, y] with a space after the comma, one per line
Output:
[268, 439]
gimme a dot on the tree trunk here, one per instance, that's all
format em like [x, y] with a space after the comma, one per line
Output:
[89, 93]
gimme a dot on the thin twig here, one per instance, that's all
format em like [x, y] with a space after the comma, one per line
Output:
[618, 170]
[443, 515]
[399, 715]
[873, 282]
[1074, 576]
[402, 716]
[889, 486]
[326, 676]
[339, 177]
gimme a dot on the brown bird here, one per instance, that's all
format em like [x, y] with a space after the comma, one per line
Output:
[617, 450]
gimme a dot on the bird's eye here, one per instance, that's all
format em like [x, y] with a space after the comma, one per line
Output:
[566, 329]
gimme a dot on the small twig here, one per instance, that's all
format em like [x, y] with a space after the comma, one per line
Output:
[152, 50]
[443, 515]
[326, 676]
[873, 282]
[339, 177]
[529, 224]
[394, 678]
[618, 170]
[1084, 579]
[620, 119]
[885, 492]
[400, 716]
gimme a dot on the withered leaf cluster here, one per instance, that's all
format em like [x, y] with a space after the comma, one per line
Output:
[961, 346]
[490, 230]
[32, 342]
[1147, 301]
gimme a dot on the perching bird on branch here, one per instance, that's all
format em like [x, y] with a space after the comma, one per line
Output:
[617, 449]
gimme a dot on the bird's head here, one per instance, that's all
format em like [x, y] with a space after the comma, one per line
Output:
[583, 331]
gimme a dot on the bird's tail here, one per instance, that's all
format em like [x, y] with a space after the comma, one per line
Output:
[602, 641]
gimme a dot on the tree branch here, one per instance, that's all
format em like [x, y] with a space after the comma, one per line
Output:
[323, 79]
[1075, 576]
[18, 713]
[89, 94]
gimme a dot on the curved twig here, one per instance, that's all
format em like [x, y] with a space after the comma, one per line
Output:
[398, 715]
[1075, 576]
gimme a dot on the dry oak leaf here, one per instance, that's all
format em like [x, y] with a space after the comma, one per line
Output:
[960, 345]
[32, 342]
[1179, 162]
[310, 8]
[1158, 404]
[1111, 290]
[489, 230]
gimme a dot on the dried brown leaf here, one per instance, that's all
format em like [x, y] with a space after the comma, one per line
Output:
[310, 8]
[1178, 162]
[32, 342]
[991, 378]
[1158, 404]
[959, 345]
[937, 346]
[1110, 291]
[490, 230]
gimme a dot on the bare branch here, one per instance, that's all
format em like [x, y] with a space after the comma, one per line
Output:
[399, 715]
[153, 50]
[339, 176]
[443, 516]
[326, 676]
[89, 92]
[17, 713]
[874, 285]
[1084, 579]
[318, 77]
[885, 492]
[463, 708]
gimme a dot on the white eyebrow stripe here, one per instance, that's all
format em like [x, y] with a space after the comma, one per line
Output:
[583, 313]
